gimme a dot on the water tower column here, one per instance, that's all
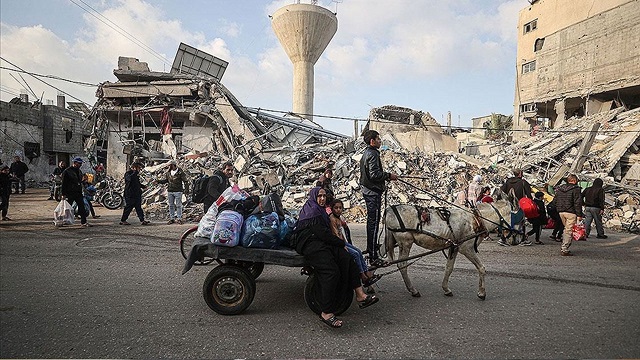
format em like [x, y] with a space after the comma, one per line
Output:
[304, 31]
[303, 79]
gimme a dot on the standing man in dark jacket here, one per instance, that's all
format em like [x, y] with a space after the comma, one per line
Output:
[218, 183]
[175, 177]
[72, 188]
[569, 204]
[521, 188]
[5, 191]
[594, 207]
[133, 195]
[372, 182]
[18, 169]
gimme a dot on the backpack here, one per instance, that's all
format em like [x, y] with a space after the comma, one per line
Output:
[199, 189]
[529, 208]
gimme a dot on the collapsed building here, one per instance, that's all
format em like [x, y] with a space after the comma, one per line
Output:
[191, 117]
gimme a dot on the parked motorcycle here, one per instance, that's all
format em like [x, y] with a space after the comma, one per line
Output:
[109, 193]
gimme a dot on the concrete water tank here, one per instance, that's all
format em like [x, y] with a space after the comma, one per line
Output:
[304, 30]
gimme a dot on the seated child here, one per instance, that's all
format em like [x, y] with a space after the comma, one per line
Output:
[341, 230]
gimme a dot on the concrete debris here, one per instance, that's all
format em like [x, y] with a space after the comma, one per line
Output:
[156, 117]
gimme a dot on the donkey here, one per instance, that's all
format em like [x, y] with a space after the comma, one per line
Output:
[459, 230]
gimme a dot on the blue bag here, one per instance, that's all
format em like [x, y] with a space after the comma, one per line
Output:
[261, 231]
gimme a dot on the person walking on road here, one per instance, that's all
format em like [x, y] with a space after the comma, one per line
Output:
[18, 169]
[217, 184]
[372, 182]
[569, 205]
[175, 178]
[72, 189]
[133, 195]
[5, 191]
[593, 197]
[520, 188]
[540, 220]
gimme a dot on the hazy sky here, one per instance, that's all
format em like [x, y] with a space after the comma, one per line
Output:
[429, 55]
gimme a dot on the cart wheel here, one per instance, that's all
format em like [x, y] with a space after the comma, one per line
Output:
[229, 289]
[186, 244]
[312, 294]
[255, 268]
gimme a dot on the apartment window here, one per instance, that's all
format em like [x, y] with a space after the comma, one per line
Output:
[528, 107]
[528, 67]
[530, 26]
[538, 45]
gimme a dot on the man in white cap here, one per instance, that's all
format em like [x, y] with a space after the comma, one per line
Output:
[72, 188]
[175, 178]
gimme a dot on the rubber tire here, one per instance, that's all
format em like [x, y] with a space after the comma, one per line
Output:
[229, 289]
[254, 268]
[311, 293]
[186, 244]
[112, 201]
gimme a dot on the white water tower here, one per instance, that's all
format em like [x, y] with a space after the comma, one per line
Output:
[304, 30]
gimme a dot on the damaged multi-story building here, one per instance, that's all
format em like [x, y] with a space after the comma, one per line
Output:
[42, 135]
[158, 115]
[575, 58]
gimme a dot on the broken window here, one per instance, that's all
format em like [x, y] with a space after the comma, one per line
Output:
[530, 26]
[528, 67]
[527, 107]
[538, 45]
[67, 127]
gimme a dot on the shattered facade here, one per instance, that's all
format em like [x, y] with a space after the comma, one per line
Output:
[42, 135]
[575, 59]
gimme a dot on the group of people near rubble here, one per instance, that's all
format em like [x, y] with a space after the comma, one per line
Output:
[566, 208]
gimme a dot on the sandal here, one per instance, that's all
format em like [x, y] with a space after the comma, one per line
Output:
[333, 321]
[368, 301]
[372, 280]
[378, 263]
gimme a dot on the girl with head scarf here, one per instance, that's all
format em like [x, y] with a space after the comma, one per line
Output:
[335, 270]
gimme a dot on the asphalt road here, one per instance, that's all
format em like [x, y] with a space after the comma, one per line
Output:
[116, 292]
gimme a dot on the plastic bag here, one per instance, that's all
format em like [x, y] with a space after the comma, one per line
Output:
[261, 231]
[208, 221]
[578, 233]
[63, 214]
[551, 224]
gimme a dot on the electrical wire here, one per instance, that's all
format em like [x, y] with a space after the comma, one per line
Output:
[329, 117]
[121, 31]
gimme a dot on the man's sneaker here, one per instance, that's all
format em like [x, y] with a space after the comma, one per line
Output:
[601, 237]
[50, 198]
[566, 253]
[526, 243]
[87, 225]
[124, 223]
[502, 243]
[145, 222]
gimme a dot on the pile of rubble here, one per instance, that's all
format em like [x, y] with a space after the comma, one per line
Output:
[427, 179]
[156, 117]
